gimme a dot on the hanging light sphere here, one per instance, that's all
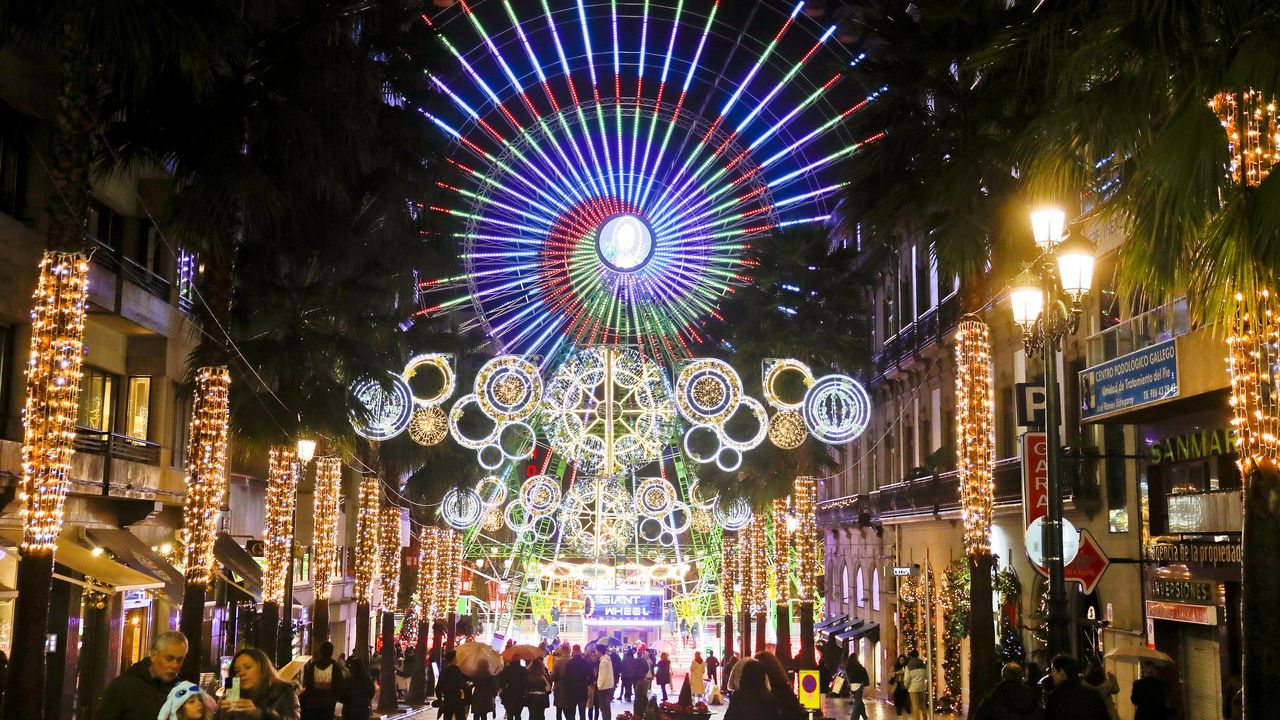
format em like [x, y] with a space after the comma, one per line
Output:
[509, 389]
[787, 430]
[428, 426]
[708, 392]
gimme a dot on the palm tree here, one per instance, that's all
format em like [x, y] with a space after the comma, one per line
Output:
[122, 48]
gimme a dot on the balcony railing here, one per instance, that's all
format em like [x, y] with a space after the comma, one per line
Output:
[929, 328]
[112, 259]
[1140, 331]
[114, 445]
[1213, 512]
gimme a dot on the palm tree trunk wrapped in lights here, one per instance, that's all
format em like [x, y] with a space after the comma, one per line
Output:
[390, 519]
[758, 571]
[428, 556]
[975, 462]
[206, 490]
[451, 580]
[728, 588]
[328, 487]
[805, 540]
[782, 519]
[366, 560]
[282, 493]
[53, 392]
[1252, 355]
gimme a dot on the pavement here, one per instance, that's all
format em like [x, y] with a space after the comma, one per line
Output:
[836, 708]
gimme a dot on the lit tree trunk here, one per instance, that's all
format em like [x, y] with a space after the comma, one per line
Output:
[746, 633]
[806, 543]
[390, 519]
[366, 560]
[362, 632]
[387, 694]
[728, 633]
[784, 632]
[282, 492]
[324, 543]
[762, 622]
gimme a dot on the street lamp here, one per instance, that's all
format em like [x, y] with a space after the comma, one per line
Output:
[1047, 302]
[306, 450]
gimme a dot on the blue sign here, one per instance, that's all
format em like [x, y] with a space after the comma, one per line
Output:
[623, 607]
[1139, 378]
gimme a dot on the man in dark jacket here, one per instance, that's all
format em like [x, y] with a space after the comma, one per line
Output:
[140, 692]
[1011, 698]
[1070, 699]
[578, 677]
[453, 690]
[322, 679]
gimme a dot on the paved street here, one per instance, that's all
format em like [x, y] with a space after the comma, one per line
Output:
[838, 709]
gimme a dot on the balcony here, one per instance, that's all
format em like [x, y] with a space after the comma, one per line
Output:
[1140, 332]
[930, 328]
[1214, 512]
[111, 258]
[116, 446]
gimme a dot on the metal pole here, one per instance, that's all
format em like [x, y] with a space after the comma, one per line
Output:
[1058, 637]
[928, 625]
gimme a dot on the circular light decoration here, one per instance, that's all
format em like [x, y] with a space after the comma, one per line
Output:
[678, 518]
[696, 497]
[733, 515]
[761, 418]
[517, 516]
[492, 491]
[458, 411]
[701, 520]
[614, 174]
[428, 426]
[461, 508]
[774, 370]
[787, 429]
[608, 409]
[508, 388]
[517, 440]
[707, 391]
[540, 495]
[382, 411]
[836, 409]
[492, 520]
[655, 497]
[597, 517]
[441, 363]
[624, 243]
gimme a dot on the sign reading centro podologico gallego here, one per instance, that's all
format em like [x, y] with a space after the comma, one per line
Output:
[1146, 376]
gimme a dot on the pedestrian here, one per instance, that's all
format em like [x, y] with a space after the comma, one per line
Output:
[780, 687]
[139, 692]
[628, 675]
[856, 675]
[453, 692]
[727, 669]
[898, 694]
[663, 674]
[263, 695]
[513, 685]
[616, 661]
[644, 679]
[560, 685]
[1105, 683]
[1150, 695]
[1011, 698]
[538, 696]
[1070, 699]
[321, 685]
[753, 699]
[357, 692]
[484, 697]
[698, 676]
[187, 701]
[605, 682]
[917, 680]
[713, 665]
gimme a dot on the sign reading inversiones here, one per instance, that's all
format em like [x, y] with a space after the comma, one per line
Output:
[1179, 612]
[1139, 378]
[1184, 591]
[623, 607]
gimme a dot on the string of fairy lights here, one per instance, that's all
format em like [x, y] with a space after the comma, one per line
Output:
[975, 430]
[206, 471]
[282, 493]
[53, 391]
[328, 488]
[806, 537]
[366, 559]
[390, 519]
[1253, 349]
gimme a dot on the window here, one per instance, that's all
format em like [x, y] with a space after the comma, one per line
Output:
[862, 590]
[97, 400]
[147, 252]
[106, 225]
[181, 432]
[14, 156]
[844, 585]
[875, 590]
[138, 410]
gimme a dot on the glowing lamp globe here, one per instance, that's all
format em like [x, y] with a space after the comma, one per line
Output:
[1075, 267]
[1027, 300]
[1047, 224]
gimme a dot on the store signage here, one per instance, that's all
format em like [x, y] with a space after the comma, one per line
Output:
[906, 571]
[1139, 378]
[1185, 591]
[1035, 477]
[1089, 564]
[623, 606]
[1185, 551]
[1030, 404]
[136, 599]
[1194, 446]
[1180, 612]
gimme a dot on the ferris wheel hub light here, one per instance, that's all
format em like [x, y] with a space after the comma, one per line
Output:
[624, 243]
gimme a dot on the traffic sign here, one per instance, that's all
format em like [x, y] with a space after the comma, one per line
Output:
[810, 696]
[1090, 563]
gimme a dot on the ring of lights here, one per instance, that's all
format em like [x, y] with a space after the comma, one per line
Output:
[836, 409]
[655, 497]
[774, 369]
[428, 426]
[461, 508]
[441, 363]
[597, 517]
[677, 520]
[490, 457]
[540, 495]
[492, 491]
[762, 428]
[509, 388]
[456, 414]
[728, 459]
[691, 434]
[708, 391]
[504, 442]
[517, 516]
[695, 495]
[387, 410]
[734, 515]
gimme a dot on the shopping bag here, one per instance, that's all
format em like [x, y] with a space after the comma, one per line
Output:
[837, 685]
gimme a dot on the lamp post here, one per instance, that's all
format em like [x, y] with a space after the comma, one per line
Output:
[1047, 303]
[284, 638]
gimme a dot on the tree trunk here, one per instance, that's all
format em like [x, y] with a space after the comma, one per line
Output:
[984, 662]
[319, 624]
[451, 627]
[268, 627]
[418, 683]
[808, 651]
[1260, 594]
[761, 623]
[96, 655]
[387, 700]
[362, 633]
[746, 634]
[192, 625]
[783, 649]
[728, 634]
[24, 691]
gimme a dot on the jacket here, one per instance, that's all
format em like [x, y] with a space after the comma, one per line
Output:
[664, 672]
[752, 704]
[1072, 700]
[577, 678]
[277, 701]
[1010, 700]
[315, 696]
[453, 690]
[604, 674]
[855, 673]
[515, 683]
[134, 695]
[917, 676]
[1149, 699]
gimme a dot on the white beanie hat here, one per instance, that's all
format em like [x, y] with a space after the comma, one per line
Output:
[180, 694]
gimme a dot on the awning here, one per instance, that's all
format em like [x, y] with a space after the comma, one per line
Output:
[132, 552]
[829, 622]
[850, 631]
[232, 557]
[837, 628]
[101, 572]
[865, 630]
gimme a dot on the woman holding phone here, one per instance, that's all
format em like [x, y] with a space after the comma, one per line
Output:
[256, 692]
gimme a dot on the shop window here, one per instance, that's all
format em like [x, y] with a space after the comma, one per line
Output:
[97, 400]
[138, 408]
[861, 589]
[1114, 451]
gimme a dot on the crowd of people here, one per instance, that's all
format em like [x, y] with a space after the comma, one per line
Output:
[1066, 692]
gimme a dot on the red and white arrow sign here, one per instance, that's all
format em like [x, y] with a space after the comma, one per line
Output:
[1090, 563]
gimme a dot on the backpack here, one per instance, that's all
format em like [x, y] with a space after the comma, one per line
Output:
[322, 679]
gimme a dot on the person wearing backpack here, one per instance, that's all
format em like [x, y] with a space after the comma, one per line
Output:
[322, 681]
